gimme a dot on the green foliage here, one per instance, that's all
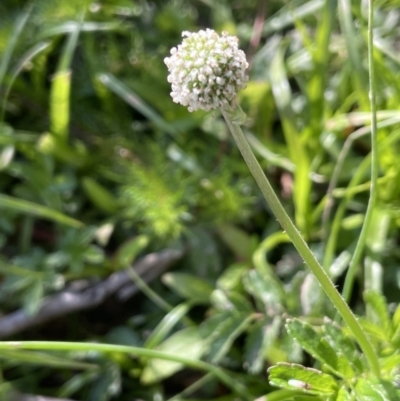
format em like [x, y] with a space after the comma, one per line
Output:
[337, 354]
[99, 167]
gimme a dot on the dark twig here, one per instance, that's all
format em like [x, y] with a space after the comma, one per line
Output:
[82, 295]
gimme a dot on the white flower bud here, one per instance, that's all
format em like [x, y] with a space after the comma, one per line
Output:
[206, 71]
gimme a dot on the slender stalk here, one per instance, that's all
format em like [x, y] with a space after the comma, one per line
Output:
[224, 377]
[152, 295]
[300, 244]
[349, 281]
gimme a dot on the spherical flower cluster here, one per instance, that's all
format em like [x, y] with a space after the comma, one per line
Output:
[206, 71]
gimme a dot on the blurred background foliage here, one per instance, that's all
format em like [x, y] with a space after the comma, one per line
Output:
[96, 158]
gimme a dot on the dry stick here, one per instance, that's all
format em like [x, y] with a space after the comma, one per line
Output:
[76, 298]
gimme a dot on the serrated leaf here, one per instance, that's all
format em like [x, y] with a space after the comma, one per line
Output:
[378, 305]
[186, 342]
[189, 286]
[390, 363]
[373, 330]
[298, 377]
[373, 389]
[338, 340]
[318, 346]
[265, 290]
[223, 300]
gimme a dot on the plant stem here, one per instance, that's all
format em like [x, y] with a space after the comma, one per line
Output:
[300, 244]
[348, 284]
[224, 377]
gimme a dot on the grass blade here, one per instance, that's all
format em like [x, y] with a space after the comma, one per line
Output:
[34, 209]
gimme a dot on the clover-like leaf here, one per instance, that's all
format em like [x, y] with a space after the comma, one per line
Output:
[317, 345]
[297, 377]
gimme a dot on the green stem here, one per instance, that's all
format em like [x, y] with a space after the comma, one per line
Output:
[348, 284]
[137, 351]
[300, 244]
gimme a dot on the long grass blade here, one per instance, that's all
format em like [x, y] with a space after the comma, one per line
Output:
[34, 209]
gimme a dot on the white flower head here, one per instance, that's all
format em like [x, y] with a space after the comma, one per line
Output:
[206, 71]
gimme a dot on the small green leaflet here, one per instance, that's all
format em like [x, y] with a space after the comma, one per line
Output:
[297, 377]
[318, 346]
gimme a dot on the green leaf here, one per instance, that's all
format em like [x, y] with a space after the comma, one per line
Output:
[396, 317]
[34, 209]
[261, 337]
[318, 346]
[76, 382]
[131, 98]
[19, 25]
[99, 195]
[230, 300]
[390, 363]
[339, 341]
[298, 377]
[16, 357]
[344, 395]
[375, 331]
[231, 278]
[59, 104]
[107, 384]
[186, 343]
[6, 156]
[265, 290]
[33, 297]
[129, 250]
[221, 330]
[284, 102]
[167, 324]
[373, 389]
[189, 286]
[396, 325]
[238, 241]
[380, 313]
